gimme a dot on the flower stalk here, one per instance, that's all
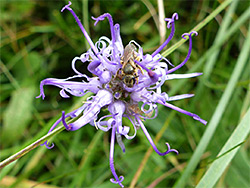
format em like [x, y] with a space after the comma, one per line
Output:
[30, 147]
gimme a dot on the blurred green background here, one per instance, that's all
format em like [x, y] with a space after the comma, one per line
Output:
[38, 41]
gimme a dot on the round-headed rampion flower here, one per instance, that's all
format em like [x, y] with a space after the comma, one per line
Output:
[124, 78]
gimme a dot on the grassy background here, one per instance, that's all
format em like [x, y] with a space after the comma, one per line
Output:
[37, 42]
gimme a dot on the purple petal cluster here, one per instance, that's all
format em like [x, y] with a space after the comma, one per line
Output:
[107, 59]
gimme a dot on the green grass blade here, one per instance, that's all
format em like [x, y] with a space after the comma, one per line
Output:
[86, 160]
[85, 15]
[198, 27]
[223, 29]
[218, 166]
[238, 23]
[214, 122]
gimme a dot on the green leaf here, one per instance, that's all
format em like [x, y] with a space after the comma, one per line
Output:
[18, 113]
[218, 167]
[235, 179]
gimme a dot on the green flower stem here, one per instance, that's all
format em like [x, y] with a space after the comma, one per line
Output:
[31, 147]
[198, 27]
[85, 15]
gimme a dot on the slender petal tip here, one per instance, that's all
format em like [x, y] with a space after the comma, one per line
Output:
[67, 127]
[175, 16]
[96, 20]
[196, 117]
[66, 6]
[189, 34]
[41, 95]
[121, 178]
[203, 121]
[171, 20]
[194, 32]
[46, 144]
[198, 74]
[171, 150]
[101, 18]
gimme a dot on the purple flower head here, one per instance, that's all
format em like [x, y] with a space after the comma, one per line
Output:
[124, 76]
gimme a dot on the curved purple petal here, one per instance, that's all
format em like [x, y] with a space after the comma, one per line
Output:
[82, 29]
[170, 23]
[64, 122]
[105, 125]
[117, 108]
[118, 43]
[102, 98]
[119, 141]
[196, 117]
[179, 97]
[189, 51]
[111, 23]
[151, 141]
[181, 76]
[135, 125]
[46, 144]
[73, 87]
[111, 160]
[71, 114]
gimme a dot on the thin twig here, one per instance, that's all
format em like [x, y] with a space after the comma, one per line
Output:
[152, 12]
